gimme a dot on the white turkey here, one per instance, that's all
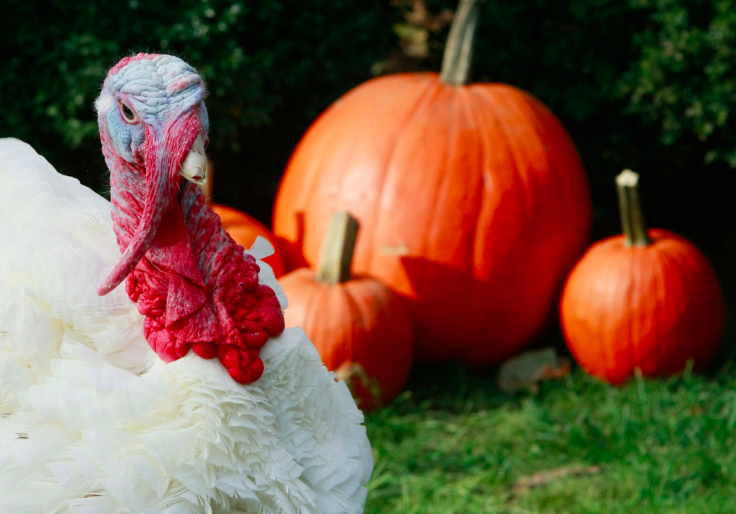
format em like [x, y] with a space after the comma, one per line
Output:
[193, 400]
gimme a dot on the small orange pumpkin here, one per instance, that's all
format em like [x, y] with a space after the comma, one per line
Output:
[360, 328]
[646, 299]
[243, 228]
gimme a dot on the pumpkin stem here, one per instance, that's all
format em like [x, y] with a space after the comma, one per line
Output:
[351, 373]
[459, 47]
[337, 250]
[632, 220]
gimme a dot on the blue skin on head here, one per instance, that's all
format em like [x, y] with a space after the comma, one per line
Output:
[156, 89]
[129, 139]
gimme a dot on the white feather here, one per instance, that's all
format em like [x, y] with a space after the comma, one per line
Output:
[94, 423]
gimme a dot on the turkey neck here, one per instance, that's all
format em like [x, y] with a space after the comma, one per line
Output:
[194, 285]
[191, 237]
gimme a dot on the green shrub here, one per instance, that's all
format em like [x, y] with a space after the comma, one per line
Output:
[256, 56]
[685, 78]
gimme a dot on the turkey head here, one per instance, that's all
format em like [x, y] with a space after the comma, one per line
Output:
[191, 281]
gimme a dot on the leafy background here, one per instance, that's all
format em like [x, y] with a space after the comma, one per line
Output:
[642, 84]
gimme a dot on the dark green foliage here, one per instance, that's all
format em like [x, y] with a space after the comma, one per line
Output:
[263, 61]
[685, 79]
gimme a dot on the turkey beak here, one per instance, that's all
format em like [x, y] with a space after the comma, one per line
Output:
[168, 149]
[194, 167]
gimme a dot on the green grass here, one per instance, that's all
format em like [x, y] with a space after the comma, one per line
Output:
[453, 443]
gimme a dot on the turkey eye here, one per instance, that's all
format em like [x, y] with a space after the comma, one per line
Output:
[128, 113]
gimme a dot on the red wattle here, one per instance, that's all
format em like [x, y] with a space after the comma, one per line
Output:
[242, 364]
[193, 283]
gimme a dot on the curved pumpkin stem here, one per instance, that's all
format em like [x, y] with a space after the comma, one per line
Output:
[459, 47]
[351, 373]
[337, 249]
[632, 220]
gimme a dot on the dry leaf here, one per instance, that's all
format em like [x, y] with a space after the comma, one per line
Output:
[530, 368]
[544, 477]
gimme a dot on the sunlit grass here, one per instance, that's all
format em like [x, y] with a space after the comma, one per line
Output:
[453, 443]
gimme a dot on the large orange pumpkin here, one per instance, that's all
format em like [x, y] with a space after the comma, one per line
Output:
[645, 299]
[472, 200]
[243, 228]
[360, 328]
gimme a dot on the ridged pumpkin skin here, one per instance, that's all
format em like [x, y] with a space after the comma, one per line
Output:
[359, 321]
[472, 201]
[245, 229]
[652, 307]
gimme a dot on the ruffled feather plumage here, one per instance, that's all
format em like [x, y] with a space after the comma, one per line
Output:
[93, 422]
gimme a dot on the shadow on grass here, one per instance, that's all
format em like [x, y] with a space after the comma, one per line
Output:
[455, 388]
